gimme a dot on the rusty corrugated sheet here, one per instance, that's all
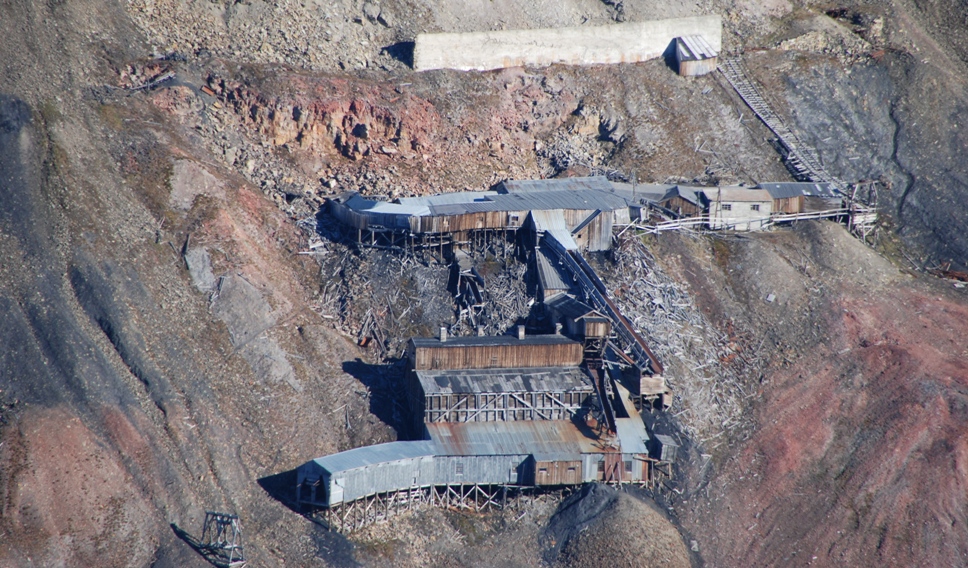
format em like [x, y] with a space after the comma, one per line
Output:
[558, 438]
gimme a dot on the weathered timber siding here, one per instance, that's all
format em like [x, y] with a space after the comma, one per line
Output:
[788, 205]
[697, 67]
[443, 356]
[597, 235]
[596, 327]
[681, 206]
[557, 472]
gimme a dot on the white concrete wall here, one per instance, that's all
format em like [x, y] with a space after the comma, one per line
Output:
[619, 43]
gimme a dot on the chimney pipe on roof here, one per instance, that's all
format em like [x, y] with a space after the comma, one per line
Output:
[557, 329]
[520, 332]
[443, 334]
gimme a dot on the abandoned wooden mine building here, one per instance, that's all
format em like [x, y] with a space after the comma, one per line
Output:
[586, 207]
[496, 414]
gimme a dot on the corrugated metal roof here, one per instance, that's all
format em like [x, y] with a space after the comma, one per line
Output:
[555, 379]
[792, 189]
[569, 307]
[551, 274]
[689, 193]
[736, 193]
[650, 191]
[559, 438]
[547, 339]
[695, 47]
[449, 198]
[600, 183]
[585, 199]
[361, 204]
[632, 435]
[380, 453]
[553, 223]
[782, 190]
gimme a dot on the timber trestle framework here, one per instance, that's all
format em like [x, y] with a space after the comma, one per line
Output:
[503, 406]
[357, 514]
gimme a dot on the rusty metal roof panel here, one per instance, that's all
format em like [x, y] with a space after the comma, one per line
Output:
[523, 437]
[539, 379]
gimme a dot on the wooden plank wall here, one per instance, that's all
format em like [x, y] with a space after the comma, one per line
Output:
[508, 355]
[788, 205]
[682, 206]
[557, 472]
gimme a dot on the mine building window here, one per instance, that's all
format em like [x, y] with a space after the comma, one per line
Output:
[628, 467]
[601, 467]
[459, 468]
[514, 218]
[543, 470]
[727, 207]
[755, 207]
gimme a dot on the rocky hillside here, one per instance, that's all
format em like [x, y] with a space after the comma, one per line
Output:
[167, 351]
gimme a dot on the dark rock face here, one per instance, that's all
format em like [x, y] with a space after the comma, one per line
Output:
[897, 121]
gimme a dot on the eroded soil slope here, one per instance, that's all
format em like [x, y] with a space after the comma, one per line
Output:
[855, 454]
[166, 351]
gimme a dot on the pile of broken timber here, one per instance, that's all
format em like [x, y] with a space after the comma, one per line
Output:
[708, 377]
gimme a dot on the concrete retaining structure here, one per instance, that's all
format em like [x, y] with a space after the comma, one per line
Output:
[619, 43]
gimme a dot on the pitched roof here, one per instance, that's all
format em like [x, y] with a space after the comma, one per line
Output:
[690, 194]
[380, 453]
[694, 47]
[599, 183]
[553, 223]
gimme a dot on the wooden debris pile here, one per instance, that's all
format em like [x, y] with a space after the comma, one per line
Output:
[380, 299]
[703, 368]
